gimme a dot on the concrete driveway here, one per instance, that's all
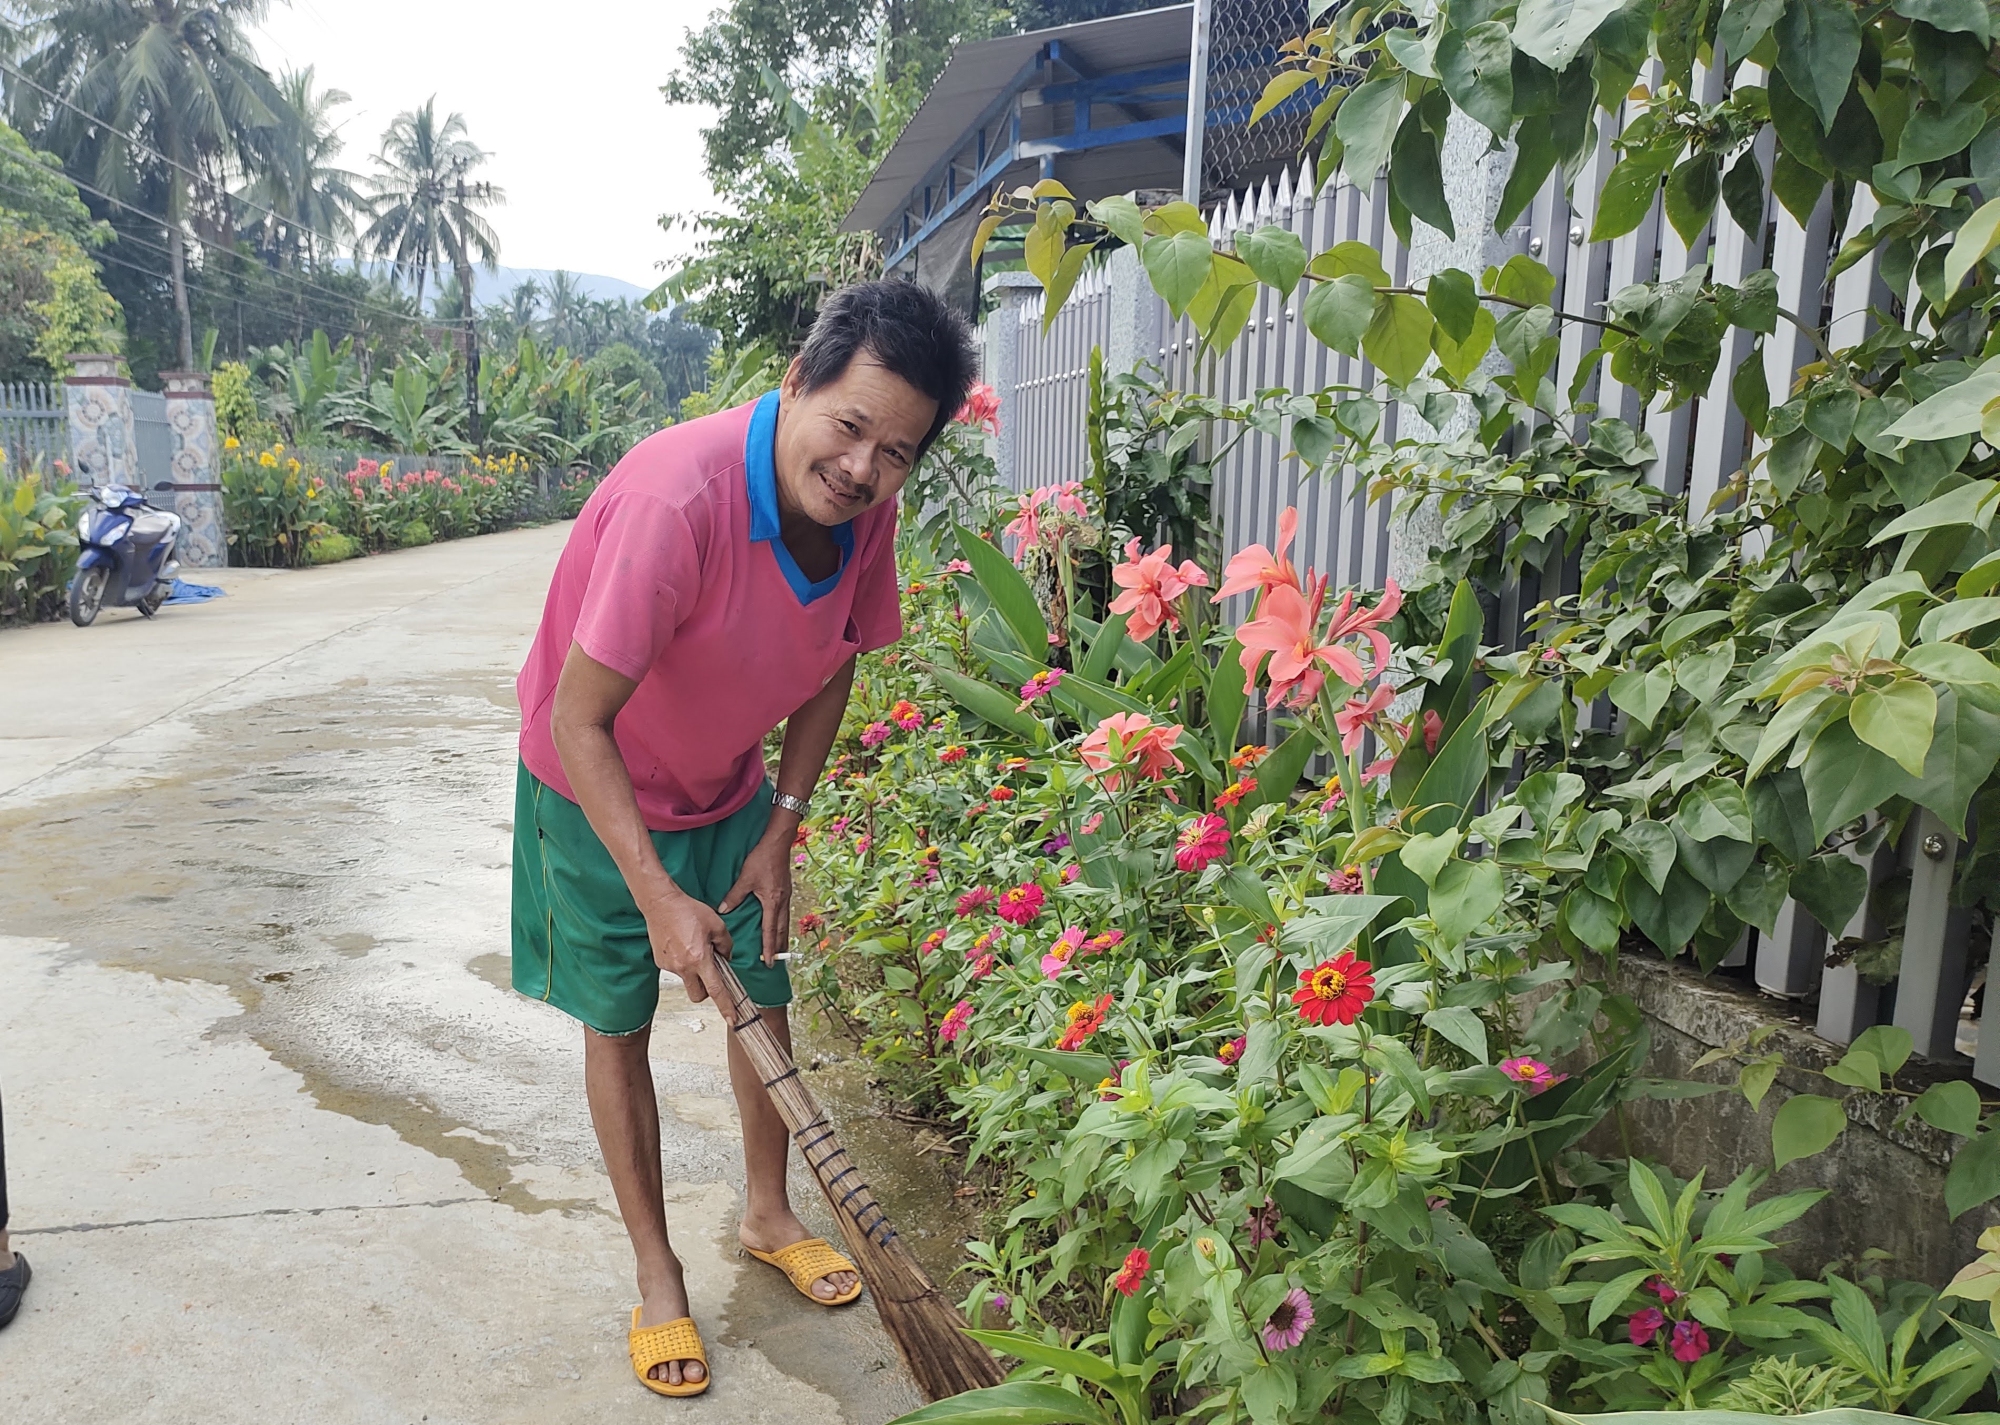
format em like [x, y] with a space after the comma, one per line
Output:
[282, 1145]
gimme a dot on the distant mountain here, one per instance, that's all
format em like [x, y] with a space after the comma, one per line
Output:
[495, 285]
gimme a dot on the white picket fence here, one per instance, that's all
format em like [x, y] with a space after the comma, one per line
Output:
[1702, 445]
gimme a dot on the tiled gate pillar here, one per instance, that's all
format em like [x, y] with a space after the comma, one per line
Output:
[196, 474]
[102, 446]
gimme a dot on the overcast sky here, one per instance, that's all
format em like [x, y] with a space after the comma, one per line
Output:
[565, 97]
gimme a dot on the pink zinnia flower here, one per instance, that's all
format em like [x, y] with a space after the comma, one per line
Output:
[931, 942]
[1041, 683]
[1645, 1324]
[982, 967]
[1353, 721]
[1091, 823]
[1204, 839]
[1151, 585]
[1346, 882]
[1290, 1322]
[955, 1022]
[875, 734]
[1058, 958]
[1258, 568]
[975, 899]
[1098, 944]
[1233, 1050]
[1019, 905]
[907, 716]
[1539, 1078]
[1138, 1262]
[1690, 1342]
[1070, 873]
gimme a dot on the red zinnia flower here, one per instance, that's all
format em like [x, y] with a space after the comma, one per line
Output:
[1001, 794]
[953, 753]
[975, 899]
[1335, 991]
[811, 921]
[1236, 791]
[1019, 905]
[1138, 1262]
[1084, 1021]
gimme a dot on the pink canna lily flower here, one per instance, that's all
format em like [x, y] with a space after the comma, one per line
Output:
[1138, 739]
[1258, 568]
[1353, 721]
[1287, 628]
[1151, 584]
[1349, 621]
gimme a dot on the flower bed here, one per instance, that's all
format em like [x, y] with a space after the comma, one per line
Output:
[1283, 1126]
[282, 510]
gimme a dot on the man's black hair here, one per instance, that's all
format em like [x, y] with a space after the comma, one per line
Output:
[907, 329]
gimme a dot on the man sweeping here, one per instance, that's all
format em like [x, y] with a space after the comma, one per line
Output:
[722, 580]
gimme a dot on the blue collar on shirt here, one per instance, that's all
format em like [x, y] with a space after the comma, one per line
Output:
[761, 471]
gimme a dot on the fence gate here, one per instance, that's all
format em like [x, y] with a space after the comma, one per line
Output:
[34, 426]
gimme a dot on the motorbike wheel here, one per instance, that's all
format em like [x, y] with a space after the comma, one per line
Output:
[86, 595]
[156, 596]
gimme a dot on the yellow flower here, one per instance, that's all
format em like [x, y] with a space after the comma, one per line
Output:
[268, 460]
[230, 442]
[293, 465]
[279, 448]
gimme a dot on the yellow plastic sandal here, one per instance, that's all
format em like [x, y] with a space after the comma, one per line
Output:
[806, 1262]
[671, 1341]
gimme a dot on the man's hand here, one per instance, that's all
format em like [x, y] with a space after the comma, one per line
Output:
[687, 936]
[767, 875]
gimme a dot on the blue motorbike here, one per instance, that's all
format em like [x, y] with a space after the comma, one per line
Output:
[127, 557]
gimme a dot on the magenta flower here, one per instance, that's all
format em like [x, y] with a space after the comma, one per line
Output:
[1690, 1342]
[1091, 823]
[1067, 944]
[955, 1022]
[1290, 1322]
[1539, 1078]
[1645, 1325]
[1038, 685]
[1019, 905]
[875, 734]
[1664, 1290]
[1263, 1223]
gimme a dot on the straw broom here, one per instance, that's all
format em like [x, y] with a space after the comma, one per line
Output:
[925, 1326]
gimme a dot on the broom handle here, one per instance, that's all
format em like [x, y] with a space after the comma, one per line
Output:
[846, 1191]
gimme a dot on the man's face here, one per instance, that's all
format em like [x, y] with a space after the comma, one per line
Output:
[850, 445]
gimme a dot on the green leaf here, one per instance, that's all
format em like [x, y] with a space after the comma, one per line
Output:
[1592, 919]
[1956, 410]
[1010, 593]
[1178, 265]
[1453, 301]
[1459, 359]
[1353, 257]
[1743, 23]
[1959, 617]
[1950, 1107]
[1969, 504]
[1277, 255]
[1965, 748]
[1691, 193]
[1670, 917]
[1890, 1045]
[1280, 87]
[1366, 127]
[1717, 808]
[1398, 339]
[1975, 1175]
[1477, 68]
[1897, 720]
[1278, 774]
[1968, 17]
[1627, 194]
[1758, 895]
[1064, 280]
[1464, 897]
[1105, 645]
[1416, 176]
[1955, 664]
[1462, 1027]
[1844, 778]
[990, 704]
[1555, 31]
[1806, 1124]
[1652, 849]
[1226, 702]
[1831, 888]
[1338, 312]
[1641, 694]
[1016, 1402]
[1818, 44]
[1120, 214]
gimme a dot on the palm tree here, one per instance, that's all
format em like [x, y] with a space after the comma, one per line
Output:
[426, 213]
[179, 77]
[299, 198]
[569, 308]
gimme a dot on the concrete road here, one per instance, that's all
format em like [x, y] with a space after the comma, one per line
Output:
[282, 1145]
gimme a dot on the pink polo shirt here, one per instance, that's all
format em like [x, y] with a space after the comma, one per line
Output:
[674, 576]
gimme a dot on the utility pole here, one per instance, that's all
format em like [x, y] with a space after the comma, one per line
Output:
[1197, 100]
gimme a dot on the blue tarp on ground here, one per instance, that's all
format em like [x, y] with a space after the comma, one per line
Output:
[190, 593]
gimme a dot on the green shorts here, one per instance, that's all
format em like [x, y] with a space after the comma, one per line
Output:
[580, 942]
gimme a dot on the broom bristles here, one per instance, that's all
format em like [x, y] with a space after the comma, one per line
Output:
[923, 1323]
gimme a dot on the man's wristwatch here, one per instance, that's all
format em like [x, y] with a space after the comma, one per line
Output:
[799, 805]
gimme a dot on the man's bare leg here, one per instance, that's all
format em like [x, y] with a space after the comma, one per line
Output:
[768, 1220]
[6, 1254]
[618, 1079]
